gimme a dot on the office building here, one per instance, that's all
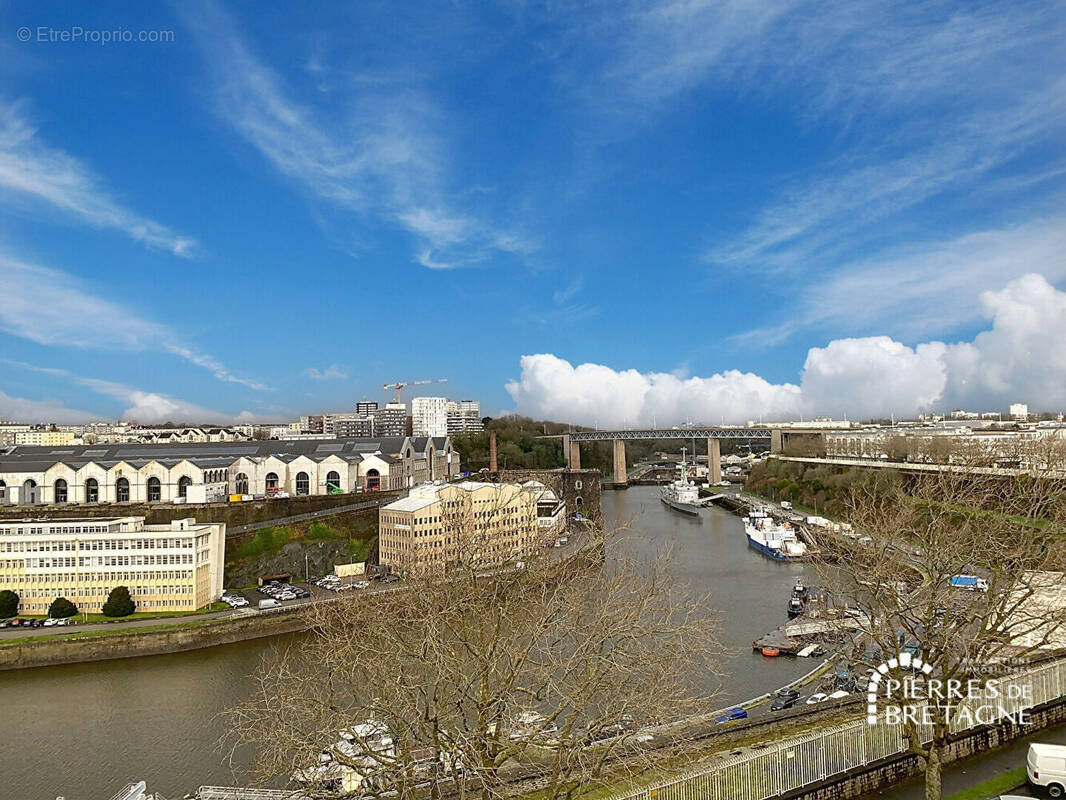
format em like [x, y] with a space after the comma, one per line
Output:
[366, 407]
[176, 566]
[355, 426]
[439, 526]
[1019, 412]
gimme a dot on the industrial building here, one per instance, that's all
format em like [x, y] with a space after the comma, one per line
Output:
[175, 566]
[210, 471]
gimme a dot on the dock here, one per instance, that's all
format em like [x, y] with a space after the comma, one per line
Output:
[793, 636]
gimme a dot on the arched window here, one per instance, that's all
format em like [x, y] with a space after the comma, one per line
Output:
[92, 491]
[240, 483]
[29, 492]
[333, 482]
[578, 502]
[373, 480]
[303, 483]
[184, 482]
[122, 490]
[271, 482]
[155, 491]
[60, 491]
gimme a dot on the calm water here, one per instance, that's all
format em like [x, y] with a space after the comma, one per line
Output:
[84, 730]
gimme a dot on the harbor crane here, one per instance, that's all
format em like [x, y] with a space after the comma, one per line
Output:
[399, 386]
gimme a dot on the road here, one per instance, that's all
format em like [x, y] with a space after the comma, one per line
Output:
[964, 774]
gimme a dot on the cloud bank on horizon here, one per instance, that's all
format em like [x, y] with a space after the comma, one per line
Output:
[1017, 359]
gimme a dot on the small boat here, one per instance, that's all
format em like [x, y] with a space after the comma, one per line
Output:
[771, 652]
[796, 606]
[800, 589]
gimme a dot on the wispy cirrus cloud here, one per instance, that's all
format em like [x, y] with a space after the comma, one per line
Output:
[331, 373]
[35, 173]
[141, 405]
[923, 288]
[54, 308]
[378, 154]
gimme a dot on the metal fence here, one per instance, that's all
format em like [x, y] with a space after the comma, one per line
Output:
[790, 764]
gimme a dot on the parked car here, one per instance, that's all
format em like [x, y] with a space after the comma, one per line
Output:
[732, 714]
[838, 694]
[817, 697]
[781, 703]
[790, 693]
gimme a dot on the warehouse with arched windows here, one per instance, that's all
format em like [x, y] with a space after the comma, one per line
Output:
[210, 471]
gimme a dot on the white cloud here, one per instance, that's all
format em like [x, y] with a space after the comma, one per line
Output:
[32, 171]
[380, 154]
[1016, 360]
[332, 372]
[153, 407]
[53, 308]
[20, 409]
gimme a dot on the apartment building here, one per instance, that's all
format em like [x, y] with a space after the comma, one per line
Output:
[438, 526]
[429, 416]
[463, 416]
[175, 566]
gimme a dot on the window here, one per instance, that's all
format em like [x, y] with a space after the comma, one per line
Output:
[155, 491]
[240, 483]
[122, 490]
[184, 482]
[303, 483]
[333, 482]
[271, 482]
[92, 491]
[373, 479]
[61, 491]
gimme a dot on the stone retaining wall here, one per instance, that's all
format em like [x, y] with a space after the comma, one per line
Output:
[20, 654]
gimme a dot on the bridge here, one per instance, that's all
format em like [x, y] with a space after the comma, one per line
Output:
[714, 435]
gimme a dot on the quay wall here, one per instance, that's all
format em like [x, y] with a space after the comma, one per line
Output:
[24, 653]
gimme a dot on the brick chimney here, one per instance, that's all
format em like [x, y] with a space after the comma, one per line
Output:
[492, 452]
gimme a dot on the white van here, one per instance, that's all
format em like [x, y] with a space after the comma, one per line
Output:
[268, 603]
[1046, 766]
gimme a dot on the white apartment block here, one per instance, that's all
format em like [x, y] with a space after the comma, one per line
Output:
[464, 416]
[429, 416]
[175, 566]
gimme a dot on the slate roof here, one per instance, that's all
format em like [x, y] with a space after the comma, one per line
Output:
[208, 455]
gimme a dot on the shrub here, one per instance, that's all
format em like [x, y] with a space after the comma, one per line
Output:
[119, 603]
[320, 530]
[61, 607]
[9, 603]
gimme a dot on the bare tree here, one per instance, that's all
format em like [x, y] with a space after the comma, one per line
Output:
[463, 682]
[960, 564]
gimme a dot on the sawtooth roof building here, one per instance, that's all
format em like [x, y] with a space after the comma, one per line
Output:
[209, 471]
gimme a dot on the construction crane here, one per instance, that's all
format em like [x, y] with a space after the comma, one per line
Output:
[399, 386]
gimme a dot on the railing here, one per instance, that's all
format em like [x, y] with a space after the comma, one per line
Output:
[791, 764]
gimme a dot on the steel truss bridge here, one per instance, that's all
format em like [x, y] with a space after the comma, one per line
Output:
[572, 444]
[671, 433]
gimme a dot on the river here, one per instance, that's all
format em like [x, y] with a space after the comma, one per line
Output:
[84, 730]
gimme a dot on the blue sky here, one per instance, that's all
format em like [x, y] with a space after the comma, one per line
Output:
[817, 207]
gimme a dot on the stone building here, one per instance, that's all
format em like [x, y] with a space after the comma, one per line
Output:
[210, 471]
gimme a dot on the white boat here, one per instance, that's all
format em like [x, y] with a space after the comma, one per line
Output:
[681, 495]
[778, 541]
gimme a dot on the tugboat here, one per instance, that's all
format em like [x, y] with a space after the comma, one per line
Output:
[681, 495]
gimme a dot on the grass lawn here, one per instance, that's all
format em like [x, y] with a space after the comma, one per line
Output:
[219, 606]
[990, 788]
